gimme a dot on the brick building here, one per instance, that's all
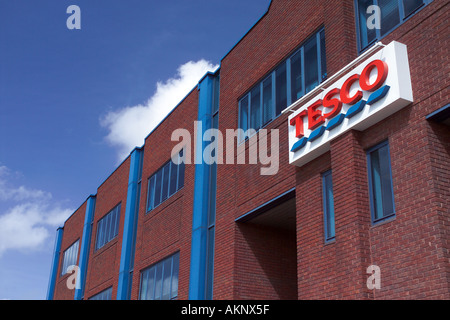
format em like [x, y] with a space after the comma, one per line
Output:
[355, 204]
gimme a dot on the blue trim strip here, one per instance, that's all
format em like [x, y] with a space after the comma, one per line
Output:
[129, 232]
[299, 144]
[316, 133]
[336, 121]
[197, 277]
[378, 95]
[355, 109]
[85, 246]
[55, 263]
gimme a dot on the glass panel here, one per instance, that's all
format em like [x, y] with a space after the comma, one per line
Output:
[323, 56]
[151, 284]
[151, 193]
[181, 172]
[117, 220]
[366, 35]
[99, 234]
[386, 182]
[243, 116]
[158, 183]
[390, 16]
[311, 65]
[173, 178]
[107, 228]
[255, 109]
[329, 206]
[113, 223]
[281, 88]
[296, 76]
[411, 5]
[165, 182]
[158, 281]
[174, 286]
[381, 183]
[144, 284]
[167, 271]
[267, 100]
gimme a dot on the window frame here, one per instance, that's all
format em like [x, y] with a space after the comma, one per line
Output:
[391, 215]
[105, 227]
[107, 293]
[161, 170]
[146, 272]
[321, 77]
[326, 214]
[402, 17]
[73, 255]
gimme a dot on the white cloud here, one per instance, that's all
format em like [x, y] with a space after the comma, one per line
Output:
[27, 224]
[128, 127]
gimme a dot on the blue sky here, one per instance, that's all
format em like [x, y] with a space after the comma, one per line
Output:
[73, 104]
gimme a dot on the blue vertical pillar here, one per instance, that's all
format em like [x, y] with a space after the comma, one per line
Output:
[54, 267]
[199, 241]
[85, 247]
[129, 229]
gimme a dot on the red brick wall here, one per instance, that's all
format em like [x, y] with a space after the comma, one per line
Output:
[167, 228]
[104, 263]
[73, 230]
[413, 249]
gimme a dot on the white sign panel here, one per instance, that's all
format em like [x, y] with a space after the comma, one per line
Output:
[372, 91]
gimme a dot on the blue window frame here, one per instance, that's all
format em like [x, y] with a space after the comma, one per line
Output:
[328, 206]
[380, 183]
[160, 281]
[393, 14]
[108, 227]
[70, 257]
[104, 295]
[165, 182]
[292, 79]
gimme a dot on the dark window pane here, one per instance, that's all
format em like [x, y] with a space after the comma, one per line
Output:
[158, 183]
[151, 192]
[296, 76]
[173, 178]
[366, 35]
[328, 206]
[255, 109]
[243, 116]
[311, 65]
[390, 15]
[165, 182]
[167, 271]
[323, 56]
[382, 197]
[267, 100]
[181, 172]
[174, 285]
[281, 89]
[411, 5]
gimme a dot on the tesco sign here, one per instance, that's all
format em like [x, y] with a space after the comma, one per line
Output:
[372, 91]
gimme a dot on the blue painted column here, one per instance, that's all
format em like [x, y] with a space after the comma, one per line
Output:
[129, 229]
[54, 268]
[199, 241]
[85, 247]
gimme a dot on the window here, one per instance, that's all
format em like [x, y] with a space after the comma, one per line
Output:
[328, 206]
[291, 80]
[393, 13]
[70, 257]
[160, 281]
[108, 227]
[380, 182]
[104, 295]
[165, 182]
